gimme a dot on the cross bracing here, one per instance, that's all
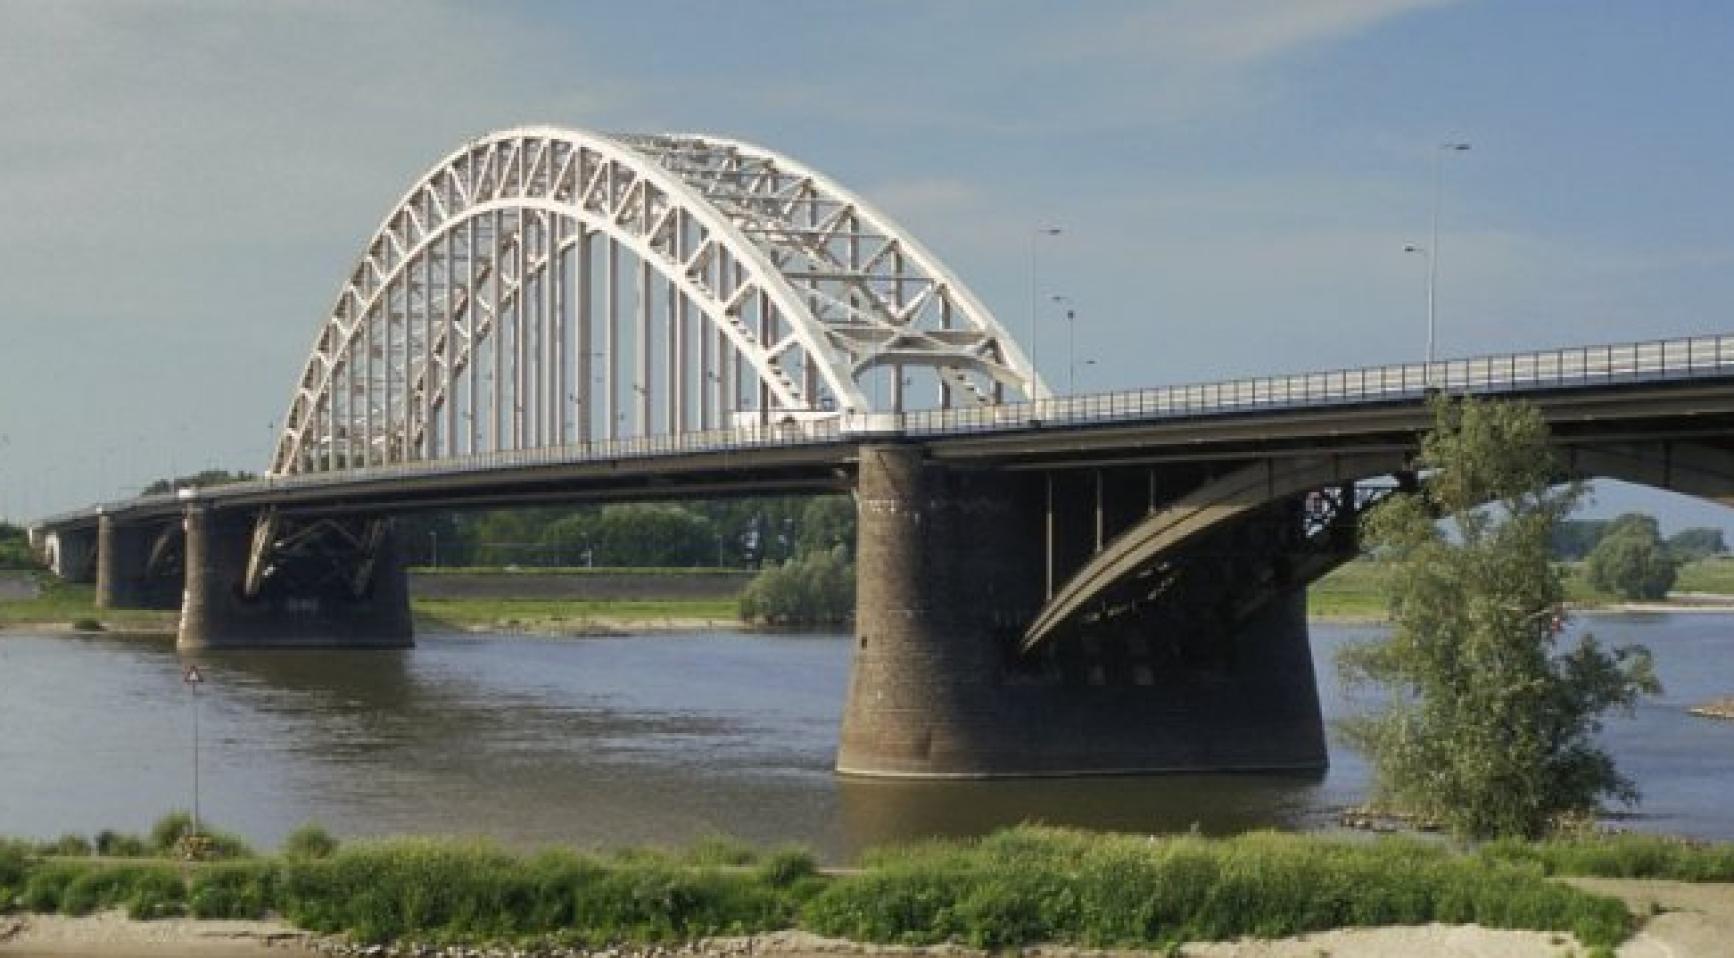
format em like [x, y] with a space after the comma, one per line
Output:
[546, 286]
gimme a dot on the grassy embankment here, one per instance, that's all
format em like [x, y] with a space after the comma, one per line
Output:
[1021, 886]
[568, 615]
[64, 603]
[1356, 591]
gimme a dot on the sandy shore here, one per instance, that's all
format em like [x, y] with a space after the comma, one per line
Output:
[1681, 920]
[112, 935]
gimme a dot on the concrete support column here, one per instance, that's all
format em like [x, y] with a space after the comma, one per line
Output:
[75, 554]
[122, 553]
[291, 611]
[949, 573]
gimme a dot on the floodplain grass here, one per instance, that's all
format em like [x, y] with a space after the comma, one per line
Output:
[1051, 885]
[1021, 886]
[1355, 591]
[67, 602]
[566, 614]
[1620, 856]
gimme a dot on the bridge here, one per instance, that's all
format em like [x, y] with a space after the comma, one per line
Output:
[1046, 584]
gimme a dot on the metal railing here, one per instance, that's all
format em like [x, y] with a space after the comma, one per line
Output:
[1580, 367]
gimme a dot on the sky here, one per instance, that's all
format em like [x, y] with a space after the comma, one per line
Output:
[184, 184]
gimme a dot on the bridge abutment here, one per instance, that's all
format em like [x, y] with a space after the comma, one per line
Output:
[361, 602]
[952, 567]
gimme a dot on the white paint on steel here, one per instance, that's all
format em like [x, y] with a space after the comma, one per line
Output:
[747, 238]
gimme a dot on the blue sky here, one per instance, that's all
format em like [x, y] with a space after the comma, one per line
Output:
[183, 184]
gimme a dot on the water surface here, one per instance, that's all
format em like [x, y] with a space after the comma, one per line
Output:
[658, 739]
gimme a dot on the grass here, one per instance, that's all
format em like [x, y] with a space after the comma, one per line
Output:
[564, 614]
[1714, 575]
[67, 602]
[1356, 590]
[578, 570]
[1049, 885]
[1016, 887]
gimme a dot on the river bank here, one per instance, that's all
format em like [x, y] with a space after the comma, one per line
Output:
[1039, 891]
[1692, 920]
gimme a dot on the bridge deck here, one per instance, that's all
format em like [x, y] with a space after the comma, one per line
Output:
[806, 455]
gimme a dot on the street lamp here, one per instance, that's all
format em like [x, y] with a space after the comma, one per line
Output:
[1071, 343]
[1432, 251]
[1035, 298]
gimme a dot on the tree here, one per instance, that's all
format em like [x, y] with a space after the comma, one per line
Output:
[1691, 545]
[1486, 722]
[1631, 560]
[816, 589]
[15, 548]
[1574, 538]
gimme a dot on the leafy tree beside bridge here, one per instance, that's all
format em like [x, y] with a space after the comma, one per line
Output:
[1486, 722]
[1631, 560]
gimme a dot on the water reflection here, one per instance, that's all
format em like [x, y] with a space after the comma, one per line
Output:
[650, 739]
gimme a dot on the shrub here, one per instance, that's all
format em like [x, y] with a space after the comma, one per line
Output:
[69, 845]
[14, 869]
[173, 836]
[46, 886]
[86, 624]
[1632, 561]
[815, 589]
[112, 844]
[1035, 884]
[147, 891]
[234, 890]
[309, 841]
[719, 850]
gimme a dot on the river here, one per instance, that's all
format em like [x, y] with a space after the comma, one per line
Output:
[654, 739]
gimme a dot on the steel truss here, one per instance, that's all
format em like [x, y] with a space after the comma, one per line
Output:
[492, 310]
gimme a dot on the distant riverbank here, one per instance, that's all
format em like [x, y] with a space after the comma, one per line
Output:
[581, 602]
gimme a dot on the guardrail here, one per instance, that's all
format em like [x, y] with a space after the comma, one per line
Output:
[1579, 367]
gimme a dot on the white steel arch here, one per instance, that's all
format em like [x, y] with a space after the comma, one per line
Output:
[478, 314]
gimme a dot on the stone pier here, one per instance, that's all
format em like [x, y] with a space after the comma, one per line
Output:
[306, 604]
[124, 577]
[951, 566]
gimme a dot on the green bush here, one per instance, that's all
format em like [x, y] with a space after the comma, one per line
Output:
[14, 869]
[719, 850]
[112, 844]
[426, 889]
[309, 841]
[233, 890]
[1621, 856]
[1031, 884]
[69, 845]
[815, 589]
[173, 837]
[1632, 561]
[86, 624]
[46, 885]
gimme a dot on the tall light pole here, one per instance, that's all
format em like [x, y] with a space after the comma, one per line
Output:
[1035, 299]
[1071, 343]
[1433, 250]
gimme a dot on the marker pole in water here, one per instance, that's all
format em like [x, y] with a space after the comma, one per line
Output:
[193, 680]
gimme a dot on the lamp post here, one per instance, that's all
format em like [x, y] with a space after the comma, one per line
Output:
[1071, 342]
[1433, 250]
[1035, 298]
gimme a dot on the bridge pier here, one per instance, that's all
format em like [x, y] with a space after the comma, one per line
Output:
[124, 577]
[72, 554]
[951, 568]
[359, 601]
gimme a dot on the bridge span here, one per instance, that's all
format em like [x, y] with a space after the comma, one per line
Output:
[1046, 585]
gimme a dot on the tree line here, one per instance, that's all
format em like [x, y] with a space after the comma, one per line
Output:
[1628, 557]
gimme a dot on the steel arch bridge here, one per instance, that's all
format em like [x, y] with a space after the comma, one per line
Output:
[543, 286]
